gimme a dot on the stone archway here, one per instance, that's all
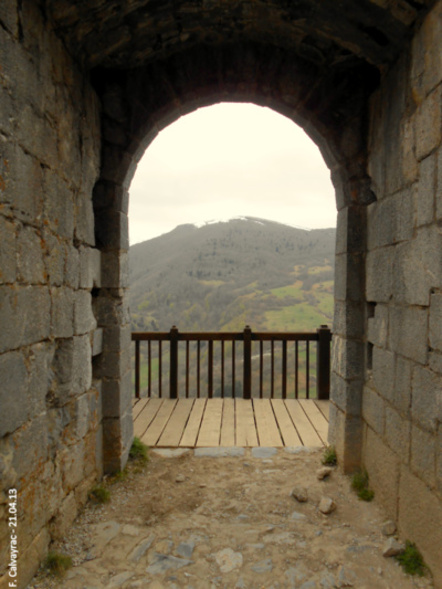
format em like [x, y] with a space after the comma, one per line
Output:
[140, 102]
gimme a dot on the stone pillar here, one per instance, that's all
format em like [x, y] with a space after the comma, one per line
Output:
[348, 352]
[112, 312]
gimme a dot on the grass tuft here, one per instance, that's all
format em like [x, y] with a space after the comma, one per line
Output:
[99, 494]
[138, 451]
[57, 564]
[411, 560]
[359, 483]
[329, 457]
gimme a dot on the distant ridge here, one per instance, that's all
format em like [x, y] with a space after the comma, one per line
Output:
[224, 274]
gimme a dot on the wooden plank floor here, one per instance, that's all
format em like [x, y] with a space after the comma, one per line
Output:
[192, 423]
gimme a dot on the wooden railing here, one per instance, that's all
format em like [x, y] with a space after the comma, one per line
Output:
[298, 367]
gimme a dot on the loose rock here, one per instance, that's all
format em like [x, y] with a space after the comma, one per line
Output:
[392, 547]
[300, 494]
[180, 478]
[323, 473]
[326, 505]
[389, 528]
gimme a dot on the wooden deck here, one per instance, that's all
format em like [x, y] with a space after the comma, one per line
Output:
[191, 423]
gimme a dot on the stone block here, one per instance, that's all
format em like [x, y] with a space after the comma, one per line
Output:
[347, 395]
[13, 392]
[54, 258]
[348, 319]
[84, 219]
[72, 466]
[410, 169]
[82, 364]
[90, 267]
[33, 555]
[425, 192]
[82, 415]
[435, 362]
[42, 142]
[349, 231]
[439, 461]
[39, 362]
[62, 312]
[349, 278]
[112, 364]
[383, 372]
[428, 124]
[111, 308]
[426, 389]
[23, 180]
[118, 338]
[420, 519]
[418, 267]
[30, 444]
[72, 267]
[84, 320]
[117, 395]
[383, 467]
[379, 274]
[64, 517]
[436, 321]
[426, 57]
[8, 259]
[381, 223]
[438, 195]
[378, 326]
[373, 410]
[8, 16]
[423, 447]
[115, 270]
[24, 315]
[408, 333]
[345, 434]
[348, 358]
[97, 342]
[112, 230]
[402, 385]
[58, 212]
[397, 434]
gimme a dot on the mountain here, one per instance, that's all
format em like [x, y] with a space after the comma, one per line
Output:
[224, 275]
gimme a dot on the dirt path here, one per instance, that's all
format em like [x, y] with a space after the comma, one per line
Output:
[202, 522]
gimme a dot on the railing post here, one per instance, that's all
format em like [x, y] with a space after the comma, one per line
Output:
[323, 363]
[173, 386]
[247, 361]
[137, 369]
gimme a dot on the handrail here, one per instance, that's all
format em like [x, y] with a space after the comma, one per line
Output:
[322, 336]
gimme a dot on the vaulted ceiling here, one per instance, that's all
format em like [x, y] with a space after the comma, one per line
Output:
[132, 33]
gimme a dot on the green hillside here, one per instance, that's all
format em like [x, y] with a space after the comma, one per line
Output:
[223, 276]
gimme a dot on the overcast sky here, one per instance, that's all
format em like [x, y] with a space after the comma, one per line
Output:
[226, 161]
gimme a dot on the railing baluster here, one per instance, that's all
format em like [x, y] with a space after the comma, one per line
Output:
[210, 370]
[323, 363]
[261, 367]
[247, 363]
[296, 369]
[187, 369]
[222, 369]
[272, 377]
[198, 371]
[173, 357]
[149, 368]
[284, 369]
[233, 368]
[307, 369]
[160, 366]
[137, 369]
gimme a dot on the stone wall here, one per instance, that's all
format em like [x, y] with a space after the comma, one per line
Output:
[402, 399]
[50, 419]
